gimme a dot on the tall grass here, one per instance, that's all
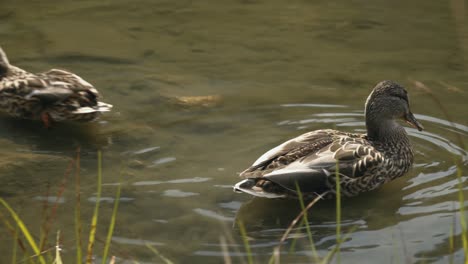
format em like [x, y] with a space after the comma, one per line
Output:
[92, 231]
[15, 247]
[305, 222]
[157, 253]
[338, 211]
[58, 257]
[276, 251]
[39, 249]
[463, 220]
[112, 222]
[245, 239]
[78, 226]
[24, 231]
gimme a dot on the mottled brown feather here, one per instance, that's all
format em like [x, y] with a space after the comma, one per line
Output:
[60, 94]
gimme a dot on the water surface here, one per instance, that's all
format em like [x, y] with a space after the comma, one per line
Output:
[270, 70]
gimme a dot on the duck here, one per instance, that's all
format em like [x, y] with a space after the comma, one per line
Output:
[315, 163]
[52, 96]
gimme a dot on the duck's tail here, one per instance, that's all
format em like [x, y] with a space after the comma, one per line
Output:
[99, 108]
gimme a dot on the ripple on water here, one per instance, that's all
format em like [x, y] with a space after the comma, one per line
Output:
[444, 123]
[190, 180]
[136, 242]
[110, 199]
[337, 118]
[177, 181]
[315, 105]
[50, 199]
[317, 120]
[443, 207]
[162, 161]
[146, 150]
[233, 205]
[422, 177]
[442, 189]
[213, 215]
[440, 141]
[178, 193]
[237, 250]
[217, 253]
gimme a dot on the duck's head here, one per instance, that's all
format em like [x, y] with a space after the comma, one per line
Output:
[4, 63]
[389, 101]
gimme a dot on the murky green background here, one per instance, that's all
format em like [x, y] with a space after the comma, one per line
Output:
[275, 69]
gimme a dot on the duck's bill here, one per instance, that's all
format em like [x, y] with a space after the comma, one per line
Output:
[411, 120]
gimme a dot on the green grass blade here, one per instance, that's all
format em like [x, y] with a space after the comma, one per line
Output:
[92, 231]
[275, 257]
[14, 232]
[58, 258]
[24, 230]
[246, 242]
[78, 227]
[332, 253]
[28, 258]
[225, 250]
[292, 247]
[306, 223]
[461, 200]
[45, 215]
[338, 213]
[156, 252]
[112, 224]
[451, 244]
[15, 246]
[277, 250]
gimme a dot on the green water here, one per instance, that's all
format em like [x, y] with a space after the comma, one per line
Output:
[278, 69]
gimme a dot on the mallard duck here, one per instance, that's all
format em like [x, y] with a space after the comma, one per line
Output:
[55, 95]
[363, 162]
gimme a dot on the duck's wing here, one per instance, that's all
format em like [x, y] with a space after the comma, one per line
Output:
[289, 152]
[314, 170]
[348, 157]
[59, 85]
[21, 83]
[49, 87]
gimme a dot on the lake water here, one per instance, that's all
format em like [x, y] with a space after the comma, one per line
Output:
[201, 89]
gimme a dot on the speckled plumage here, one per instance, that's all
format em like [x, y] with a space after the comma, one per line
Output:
[363, 161]
[56, 94]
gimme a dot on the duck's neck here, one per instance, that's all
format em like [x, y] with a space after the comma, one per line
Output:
[3, 70]
[386, 131]
[4, 64]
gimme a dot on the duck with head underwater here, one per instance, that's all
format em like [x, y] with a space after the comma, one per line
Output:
[55, 95]
[363, 162]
